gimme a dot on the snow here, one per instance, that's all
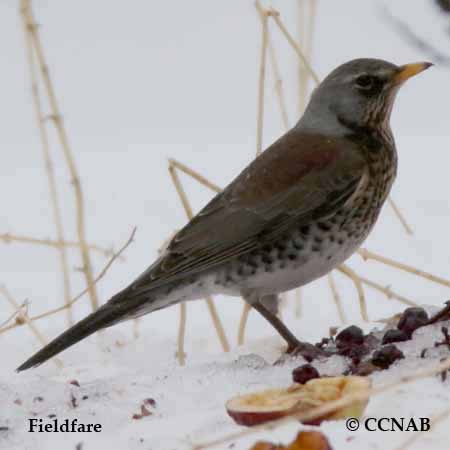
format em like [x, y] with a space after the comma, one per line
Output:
[189, 401]
[147, 84]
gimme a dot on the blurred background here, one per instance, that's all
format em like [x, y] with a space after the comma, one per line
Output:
[140, 82]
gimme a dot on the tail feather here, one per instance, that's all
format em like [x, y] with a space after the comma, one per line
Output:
[104, 317]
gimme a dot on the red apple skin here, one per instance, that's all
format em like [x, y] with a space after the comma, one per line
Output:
[252, 418]
[314, 422]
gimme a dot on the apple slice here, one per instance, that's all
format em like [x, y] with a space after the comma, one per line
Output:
[264, 406]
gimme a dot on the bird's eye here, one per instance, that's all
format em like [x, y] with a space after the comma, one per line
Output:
[366, 82]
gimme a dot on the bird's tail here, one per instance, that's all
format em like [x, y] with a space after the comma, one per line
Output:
[116, 310]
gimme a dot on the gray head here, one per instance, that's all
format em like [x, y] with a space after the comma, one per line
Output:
[358, 94]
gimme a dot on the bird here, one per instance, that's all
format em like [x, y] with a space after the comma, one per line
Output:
[296, 212]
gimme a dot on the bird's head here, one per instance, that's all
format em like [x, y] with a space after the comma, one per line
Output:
[359, 93]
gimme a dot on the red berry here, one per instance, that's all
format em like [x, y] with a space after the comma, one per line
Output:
[411, 319]
[304, 373]
[394, 335]
[350, 336]
[384, 357]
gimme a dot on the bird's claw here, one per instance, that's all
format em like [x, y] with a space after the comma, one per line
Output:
[308, 351]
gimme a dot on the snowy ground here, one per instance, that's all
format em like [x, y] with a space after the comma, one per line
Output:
[190, 401]
[148, 85]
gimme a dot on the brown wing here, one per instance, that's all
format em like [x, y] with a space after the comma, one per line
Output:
[300, 177]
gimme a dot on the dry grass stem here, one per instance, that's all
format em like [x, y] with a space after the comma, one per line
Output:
[243, 323]
[181, 355]
[343, 268]
[298, 302]
[180, 191]
[211, 307]
[275, 15]
[279, 91]
[216, 320]
[17, 307]
[282, 304]
[311, 28]
[18, 312]
[136, 332]
[306, 33]
[368, 255]
[261, 81]
[32, 30]
[192, 173]
[387, 291]
[400, 216]
[329, 407]
[54, 198]
[336, 298]
[9, 238]
[75, 299]
[301, 68]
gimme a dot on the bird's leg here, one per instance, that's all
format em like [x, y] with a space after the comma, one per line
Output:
[284, 332]
[295, 347]
[271, 303]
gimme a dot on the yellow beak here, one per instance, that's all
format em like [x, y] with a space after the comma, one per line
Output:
[409, 70]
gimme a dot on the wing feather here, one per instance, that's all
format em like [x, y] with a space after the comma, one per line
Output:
[299, 178]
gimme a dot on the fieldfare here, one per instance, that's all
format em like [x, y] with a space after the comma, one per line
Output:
[295, 213]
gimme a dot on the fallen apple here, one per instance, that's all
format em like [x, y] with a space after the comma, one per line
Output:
[264, 406]
[265, 446]
[305, 440]
[310, 440]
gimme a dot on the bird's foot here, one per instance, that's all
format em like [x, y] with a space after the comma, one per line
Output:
[308, 351]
